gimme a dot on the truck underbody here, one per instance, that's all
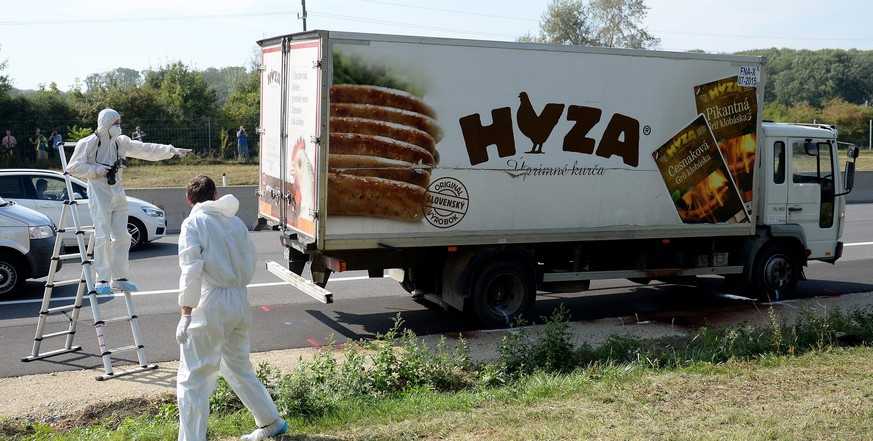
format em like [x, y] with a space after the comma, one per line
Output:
[498, 283]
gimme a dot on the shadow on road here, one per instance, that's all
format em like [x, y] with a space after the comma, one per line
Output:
[687, 306]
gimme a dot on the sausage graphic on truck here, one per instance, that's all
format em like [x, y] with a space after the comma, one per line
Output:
[478, 173]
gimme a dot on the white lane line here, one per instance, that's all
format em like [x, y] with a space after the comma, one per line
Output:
[162, 291]
[857, 244]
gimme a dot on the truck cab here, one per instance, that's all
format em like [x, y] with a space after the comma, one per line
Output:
[802, 184]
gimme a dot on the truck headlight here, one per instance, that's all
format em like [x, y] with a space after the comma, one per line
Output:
[42, 232]
[153, 212]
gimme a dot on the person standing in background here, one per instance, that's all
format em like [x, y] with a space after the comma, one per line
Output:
[54, 140]
[40, 146]
[138, 135]
[242, 144]
[9, 143]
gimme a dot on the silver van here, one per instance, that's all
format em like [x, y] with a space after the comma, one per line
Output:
[27, 240]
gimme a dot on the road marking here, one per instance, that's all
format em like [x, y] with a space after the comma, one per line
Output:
[314, 343]
[857, 244]
[164, 291]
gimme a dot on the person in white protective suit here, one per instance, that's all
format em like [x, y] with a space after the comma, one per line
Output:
[217, 258]
[101, 158]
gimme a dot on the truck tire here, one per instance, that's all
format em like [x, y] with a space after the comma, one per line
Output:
[776, 273]
[12, 276]
[504, 291]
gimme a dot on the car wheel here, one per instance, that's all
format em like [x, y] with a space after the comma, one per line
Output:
[12, 275]
[138, 233]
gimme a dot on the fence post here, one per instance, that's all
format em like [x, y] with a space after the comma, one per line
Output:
[209, 134]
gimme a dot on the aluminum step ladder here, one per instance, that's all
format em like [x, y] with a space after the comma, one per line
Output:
[85, 284]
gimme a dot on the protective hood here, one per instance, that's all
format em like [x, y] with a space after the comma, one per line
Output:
[105, 119]
[226, 206]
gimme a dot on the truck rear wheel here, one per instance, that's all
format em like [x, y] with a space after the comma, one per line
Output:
[503, 292]
[776, 273]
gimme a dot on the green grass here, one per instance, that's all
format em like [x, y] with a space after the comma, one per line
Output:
[779, 382]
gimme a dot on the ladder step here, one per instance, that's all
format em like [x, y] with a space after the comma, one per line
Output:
[57, 334]
[64, 308]
[66, 282]
[121, 349]
[129, 371]
[122, 318]
[77, 256]
[50, 354]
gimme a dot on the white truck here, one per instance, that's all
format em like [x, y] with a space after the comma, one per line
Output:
[478, 173]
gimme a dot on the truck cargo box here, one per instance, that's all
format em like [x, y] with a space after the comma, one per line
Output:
[372, 141]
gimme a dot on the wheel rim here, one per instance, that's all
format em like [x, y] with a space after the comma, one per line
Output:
[778, 273]
[504, 295]
[7, 277]
[134, 232]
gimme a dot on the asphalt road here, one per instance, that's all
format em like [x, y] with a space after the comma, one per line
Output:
[285, 318]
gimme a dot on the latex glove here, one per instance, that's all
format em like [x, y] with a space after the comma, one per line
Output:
[102, 171]
[182, 329]
[181, 152]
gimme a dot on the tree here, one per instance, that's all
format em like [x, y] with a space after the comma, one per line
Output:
[617, 23]
[564, 22]
[224, 81]
[5, 84]
[183, 93]
[605, 23]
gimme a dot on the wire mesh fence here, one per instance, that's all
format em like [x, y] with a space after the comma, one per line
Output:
[205, 137]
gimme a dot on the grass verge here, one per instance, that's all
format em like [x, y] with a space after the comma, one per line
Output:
[799, 381]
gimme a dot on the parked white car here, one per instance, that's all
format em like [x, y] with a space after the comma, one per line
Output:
[145, 223]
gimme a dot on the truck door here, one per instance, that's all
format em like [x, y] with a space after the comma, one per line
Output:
[811, 190]
[290, 120]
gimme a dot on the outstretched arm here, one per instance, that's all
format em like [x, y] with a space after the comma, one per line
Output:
[153, 152]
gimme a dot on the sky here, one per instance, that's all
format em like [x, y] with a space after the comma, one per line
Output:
[64, 41]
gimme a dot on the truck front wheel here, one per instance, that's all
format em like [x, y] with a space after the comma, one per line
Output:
[503, 292]
[776, 273]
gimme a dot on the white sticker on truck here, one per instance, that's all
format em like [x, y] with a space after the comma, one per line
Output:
[749, 76]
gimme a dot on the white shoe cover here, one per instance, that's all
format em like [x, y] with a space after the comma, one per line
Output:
[123, 285]
[275, 428]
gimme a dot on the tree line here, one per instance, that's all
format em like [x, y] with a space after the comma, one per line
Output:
[174, 105]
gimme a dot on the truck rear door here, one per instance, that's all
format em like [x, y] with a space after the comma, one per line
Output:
[291, 90]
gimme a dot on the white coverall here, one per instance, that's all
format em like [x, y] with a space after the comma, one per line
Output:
[108, 203]
[217, 258]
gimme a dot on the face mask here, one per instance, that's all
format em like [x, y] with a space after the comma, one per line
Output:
[114, 131]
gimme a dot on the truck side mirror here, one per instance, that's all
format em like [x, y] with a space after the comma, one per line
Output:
[852, 151]
[850, 176]
[811, 148]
